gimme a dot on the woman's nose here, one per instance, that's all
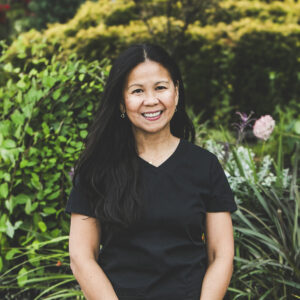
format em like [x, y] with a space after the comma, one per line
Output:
[150, 98]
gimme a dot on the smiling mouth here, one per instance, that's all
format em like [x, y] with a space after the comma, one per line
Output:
[152, 115]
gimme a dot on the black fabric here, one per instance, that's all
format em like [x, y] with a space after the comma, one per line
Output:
[164, 256]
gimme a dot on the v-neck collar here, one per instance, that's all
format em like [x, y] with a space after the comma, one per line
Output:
[167, 161]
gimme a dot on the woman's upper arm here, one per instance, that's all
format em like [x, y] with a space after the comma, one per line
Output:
[85, 237]
[219, 235]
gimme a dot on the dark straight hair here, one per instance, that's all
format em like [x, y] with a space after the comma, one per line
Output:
[108, 166]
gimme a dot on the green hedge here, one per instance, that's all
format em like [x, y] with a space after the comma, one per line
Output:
[44, 121]
[245, 56]
[275, 11]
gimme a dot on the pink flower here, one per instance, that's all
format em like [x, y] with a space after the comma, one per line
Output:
[263, 127]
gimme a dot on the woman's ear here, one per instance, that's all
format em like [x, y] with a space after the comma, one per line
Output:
[177, 91]
[122, 107]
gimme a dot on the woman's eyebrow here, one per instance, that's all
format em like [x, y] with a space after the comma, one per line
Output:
[138, 84]
[135, 84]
[162, 81]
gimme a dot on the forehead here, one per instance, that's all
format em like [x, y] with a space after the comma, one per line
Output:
[148, 70]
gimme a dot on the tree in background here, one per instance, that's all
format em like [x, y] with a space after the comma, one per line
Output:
[188, 11]
[234, 54]
[53, 11]
[17, 16]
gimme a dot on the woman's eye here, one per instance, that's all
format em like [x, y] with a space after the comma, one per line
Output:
[136, 91]
[161, 87]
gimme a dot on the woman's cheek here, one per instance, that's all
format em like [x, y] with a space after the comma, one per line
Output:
[169, 96]
[133, 102]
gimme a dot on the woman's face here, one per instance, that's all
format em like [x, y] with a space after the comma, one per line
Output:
[149, 88]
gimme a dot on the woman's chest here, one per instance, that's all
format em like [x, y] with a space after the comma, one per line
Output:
[174, 200]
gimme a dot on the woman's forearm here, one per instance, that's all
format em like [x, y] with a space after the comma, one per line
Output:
[216, 279]
[92, 280]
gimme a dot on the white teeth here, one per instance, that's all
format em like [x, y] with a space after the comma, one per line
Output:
[151, 115]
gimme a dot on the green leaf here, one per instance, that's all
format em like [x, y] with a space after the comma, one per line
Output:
[10, 231]
[27, 110]
[272, 75]
[1, 264]
[21, 84]
[56, 94]
[54, 195]
[55, 232]
[297, 127]
[9, 205]
[45, 128]
[82, 125]
[19, 97]
[8, 67]
[11, 253]
[28, 207]
[17, 117]
[18, 224]
[21, 55]
[83, 133]
[4, 190]
[2, 223]
[33, 95]
[18, 131]
[23, 163]
[8, 143]
[29, 130]
[42, 226]
[22, 277]
[34, 206]
[81, 77]
[48, 81]
[64, 98]
[35, 181]
[49, 210]
[6, 176]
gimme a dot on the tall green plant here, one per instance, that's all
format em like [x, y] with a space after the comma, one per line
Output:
[41, 271]
[267, 234]
[268, 242]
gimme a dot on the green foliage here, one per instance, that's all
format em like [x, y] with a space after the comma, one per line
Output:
[24, 15]
[268, 241]
[234, 55]
[45, 114]
[275, 11]
[267, 235]
[237, 55]
[58, 11]
[41, 271]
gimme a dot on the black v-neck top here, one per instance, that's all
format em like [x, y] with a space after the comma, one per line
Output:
[164, 256]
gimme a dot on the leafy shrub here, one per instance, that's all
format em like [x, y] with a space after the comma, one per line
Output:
[45, 12]
[41, 271]
[267, 235]
[44, 121]
[249, 59]
[275, 11]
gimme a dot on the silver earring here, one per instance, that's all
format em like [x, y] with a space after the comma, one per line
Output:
[122, 115]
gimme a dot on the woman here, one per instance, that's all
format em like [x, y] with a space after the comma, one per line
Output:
[148, 194]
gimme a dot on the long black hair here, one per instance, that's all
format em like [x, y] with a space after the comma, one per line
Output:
[108, 166]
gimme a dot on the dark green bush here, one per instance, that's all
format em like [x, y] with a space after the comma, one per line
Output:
[45, 11]
[245, 57]
[44, 119]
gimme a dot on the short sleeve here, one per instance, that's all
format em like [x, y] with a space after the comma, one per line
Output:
[221, 196]
[77, 202]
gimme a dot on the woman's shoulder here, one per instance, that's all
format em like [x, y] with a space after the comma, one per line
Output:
[196, 151]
